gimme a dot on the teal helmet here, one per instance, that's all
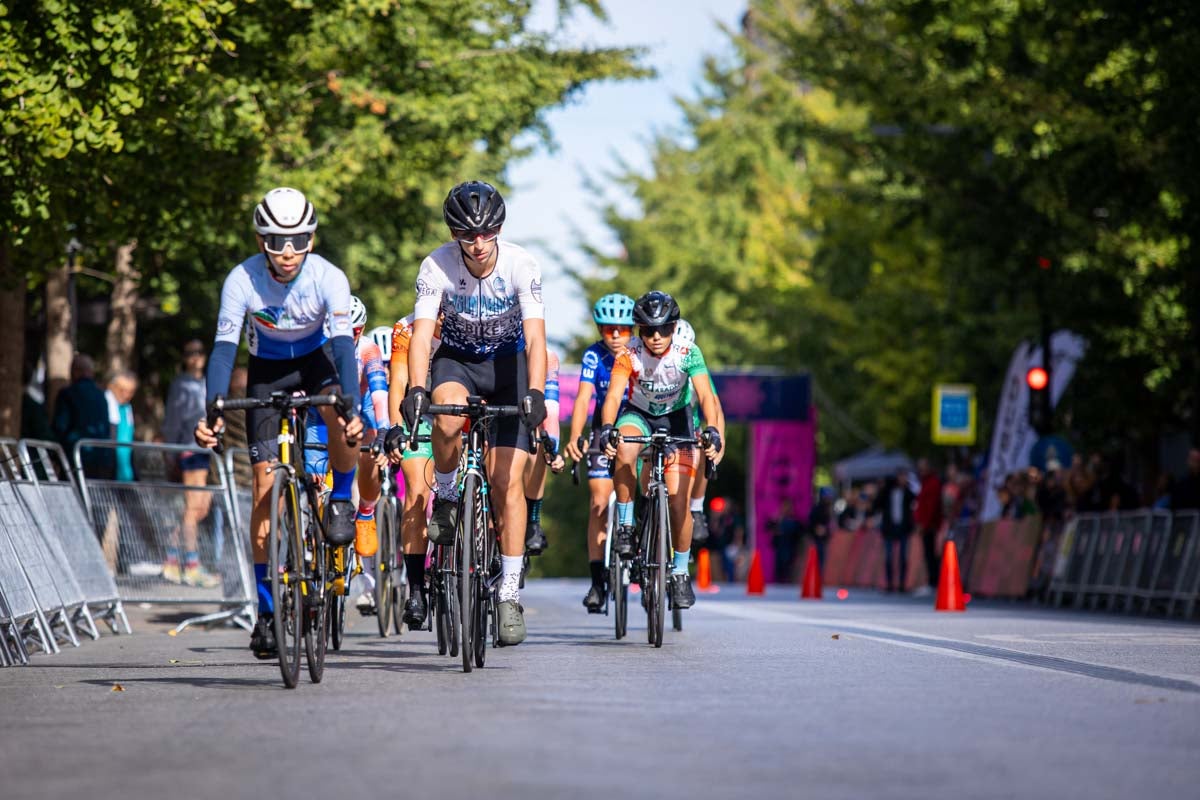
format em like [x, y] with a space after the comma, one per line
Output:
[613, 309]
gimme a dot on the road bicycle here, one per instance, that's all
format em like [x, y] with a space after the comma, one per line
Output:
[391, 578]
[652, 558]
[616, 599]
[306, 573]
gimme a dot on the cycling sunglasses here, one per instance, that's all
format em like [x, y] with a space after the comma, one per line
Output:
[664, 330]
[469, 237]
[609, 330]
[275, 243]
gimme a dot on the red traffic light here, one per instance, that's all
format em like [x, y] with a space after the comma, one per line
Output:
[1036, 378]
[717, 504]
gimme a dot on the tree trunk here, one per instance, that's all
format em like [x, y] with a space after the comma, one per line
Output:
[12, 355]
[122, 323]
[60, 349]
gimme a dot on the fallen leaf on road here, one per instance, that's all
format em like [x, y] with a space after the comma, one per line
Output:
[60, 686]
[172, 632]
[836, 636]
[118, 687]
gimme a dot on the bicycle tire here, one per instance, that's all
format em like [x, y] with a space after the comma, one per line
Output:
[440, 613]
[677, 618]
[283, 563]
[384, 562]
[621, 600]
[316, 615]
[484, 605]
[661, 537]
[452, 613]
[400, 589]
[465, 562]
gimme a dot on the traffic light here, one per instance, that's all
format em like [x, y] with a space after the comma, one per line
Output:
[1040, 411]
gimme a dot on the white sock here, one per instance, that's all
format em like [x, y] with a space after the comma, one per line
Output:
[697, 504]
[447, 484]
[510, 585]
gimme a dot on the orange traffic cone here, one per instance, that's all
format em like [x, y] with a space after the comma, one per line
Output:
[950, 592]
[704, 572]
[811, 588]
[756, 582]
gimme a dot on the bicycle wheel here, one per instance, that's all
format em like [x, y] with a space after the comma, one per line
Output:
[619, 593]
[468, 531]
[399, 581]
[316, 610]
[440, 611]
[677, 618]
[384, 562]
[483, 599]
[340, 560]
[656, 607]
[285, 564]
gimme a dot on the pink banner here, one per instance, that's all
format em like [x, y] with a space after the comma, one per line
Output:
[783, 455]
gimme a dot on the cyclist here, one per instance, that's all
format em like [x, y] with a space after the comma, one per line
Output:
[657, 372]
[283, 296]
[417, 470]
[535, 471]
[613, 315]
[685, 332]
[493, 345]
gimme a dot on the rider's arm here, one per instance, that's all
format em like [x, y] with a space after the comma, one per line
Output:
[336, 290]
[552, 397]
[398, 370]
[617, 384]
[230, 319]
[579, 413]
[535, 351]
[419, 347]
[377, 386]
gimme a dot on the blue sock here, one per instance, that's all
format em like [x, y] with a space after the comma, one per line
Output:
[265, 604]
[625, 513]
[342, 483]
[681, 563]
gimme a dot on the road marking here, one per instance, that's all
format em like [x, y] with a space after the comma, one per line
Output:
[958, 648]
[1156, 638]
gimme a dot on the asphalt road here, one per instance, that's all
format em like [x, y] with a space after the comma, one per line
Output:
[867, 697]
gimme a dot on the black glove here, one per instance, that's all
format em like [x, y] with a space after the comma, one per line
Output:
[533, 409]
[606, 435]
[395, 440]
[416, 400]
[714, 437]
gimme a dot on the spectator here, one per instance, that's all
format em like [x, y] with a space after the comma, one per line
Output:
[1185, 494]
[928, 518]
[185, 407]
[121, 388]
[894, 504]
[820, 523]
[726, 538]
[785, 535]
[81, 412]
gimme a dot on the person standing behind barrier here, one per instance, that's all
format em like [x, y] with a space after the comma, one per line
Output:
[1185, 494]
[185, 404]
[81, 412]
[785, 535]
[121, 388]
[821, 520]
[894, 504]
[928, 517]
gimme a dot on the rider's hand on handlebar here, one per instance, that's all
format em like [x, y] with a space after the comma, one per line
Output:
[416, 400]
[352, 430]
[206, 436]
[713, 446]
[533, 409]
[394, 443]
[558, 464]
[575, 448]
[606, 441]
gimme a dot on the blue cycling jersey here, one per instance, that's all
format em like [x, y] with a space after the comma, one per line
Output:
[597, 370]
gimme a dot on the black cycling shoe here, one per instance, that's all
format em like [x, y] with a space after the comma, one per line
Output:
[339, 523]
[682, 595]
[415, 611]
[443, 521]
[594, 601]
[624, 542]
[262, 639]
[535, 539]
[699, 527]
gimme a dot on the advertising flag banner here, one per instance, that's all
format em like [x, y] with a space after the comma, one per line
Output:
[783, 454]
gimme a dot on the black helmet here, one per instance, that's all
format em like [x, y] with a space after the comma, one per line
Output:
[473, 206]
[655, 308]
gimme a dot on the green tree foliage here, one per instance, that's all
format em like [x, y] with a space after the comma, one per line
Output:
[867, 190]
[164, 122]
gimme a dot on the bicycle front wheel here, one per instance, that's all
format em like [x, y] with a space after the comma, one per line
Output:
[468, 590]
[660, 537]
[384, 566]
[286, 565]
[316, 609]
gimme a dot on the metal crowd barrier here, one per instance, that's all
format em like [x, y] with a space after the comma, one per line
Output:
[1144, 560]
[138, 521]
[49, 485]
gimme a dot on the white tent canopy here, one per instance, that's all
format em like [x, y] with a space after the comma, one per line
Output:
[872, 463]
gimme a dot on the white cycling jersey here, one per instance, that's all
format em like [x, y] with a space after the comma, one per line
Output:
[284, 320]
[482, 317]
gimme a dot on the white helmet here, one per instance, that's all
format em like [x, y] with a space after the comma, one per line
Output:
[382, 337]
[683, 330]
[358, 313]
[284, 210]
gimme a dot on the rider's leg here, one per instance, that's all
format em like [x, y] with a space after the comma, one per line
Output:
[600, 490]
[679, 475]
[447, 439]
[343, 458]
[260, 530]
[535, 490]
[418, 478]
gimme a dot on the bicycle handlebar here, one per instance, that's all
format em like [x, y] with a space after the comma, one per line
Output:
[279, 400]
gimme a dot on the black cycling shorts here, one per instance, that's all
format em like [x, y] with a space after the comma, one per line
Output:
[312, 374]
[501, 381]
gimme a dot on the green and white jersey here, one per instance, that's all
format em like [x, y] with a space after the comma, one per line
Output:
[660, 385]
